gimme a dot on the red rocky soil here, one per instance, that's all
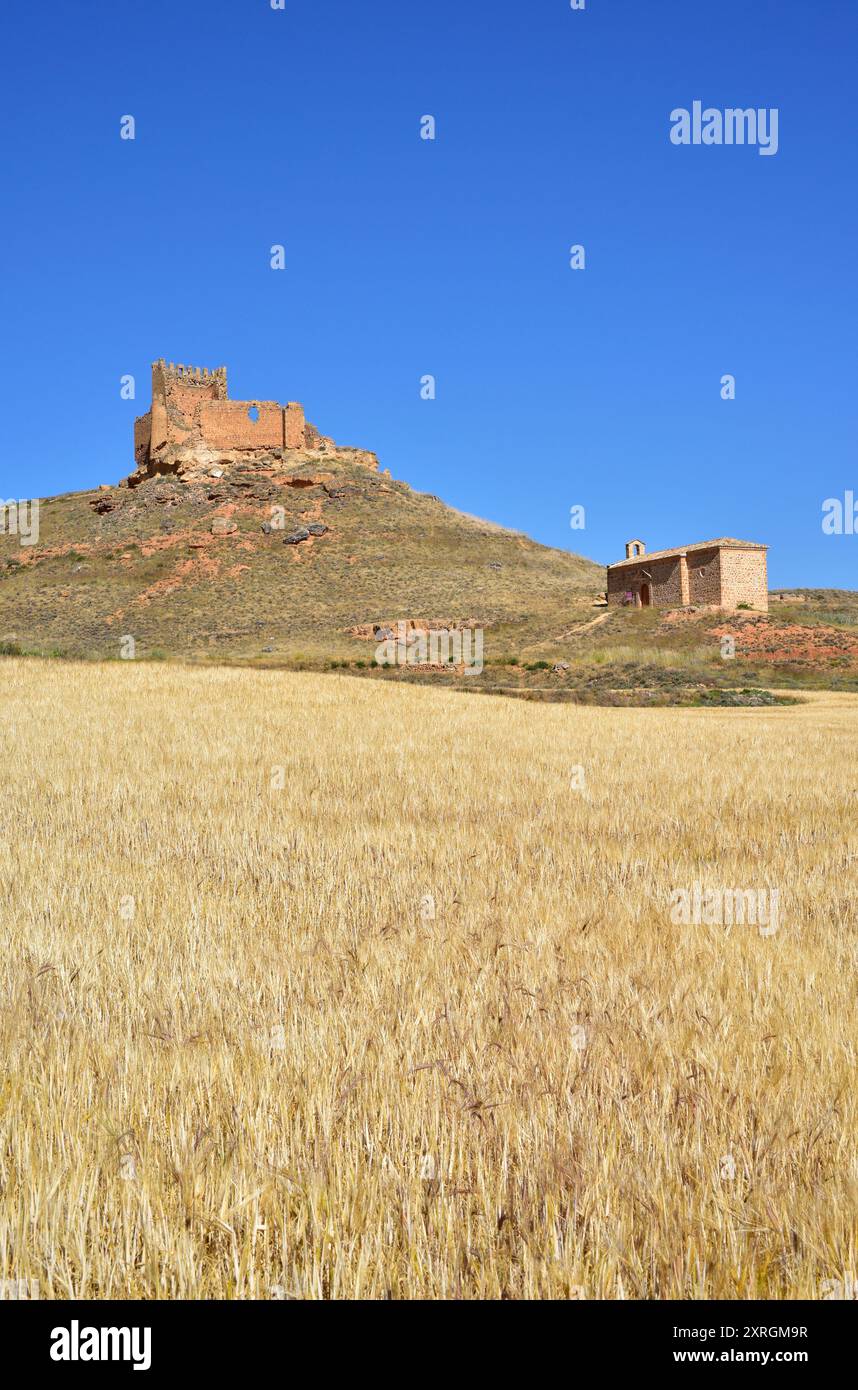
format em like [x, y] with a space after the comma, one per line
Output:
[776, 644]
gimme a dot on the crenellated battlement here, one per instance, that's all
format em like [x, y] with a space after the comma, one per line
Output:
[189, 373]
[166, 374]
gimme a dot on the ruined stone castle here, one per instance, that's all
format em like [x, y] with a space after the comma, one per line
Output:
[192, 418]
[723, 573]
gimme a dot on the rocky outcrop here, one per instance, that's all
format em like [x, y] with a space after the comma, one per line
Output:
[192, 464]
[384, 630]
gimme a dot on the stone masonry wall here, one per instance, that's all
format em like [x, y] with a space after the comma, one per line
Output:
[704, 577]
[142, 436]
[227, 424]
[744, 579]
[665, 582]
[295, 431]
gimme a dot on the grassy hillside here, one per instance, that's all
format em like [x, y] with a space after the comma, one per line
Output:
[201, 570]
[147, 564]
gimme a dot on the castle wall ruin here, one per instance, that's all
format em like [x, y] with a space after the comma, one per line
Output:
[191, 407]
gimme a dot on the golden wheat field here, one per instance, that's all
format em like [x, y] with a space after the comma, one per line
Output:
[314, 987]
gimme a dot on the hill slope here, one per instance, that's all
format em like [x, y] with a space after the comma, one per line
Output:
[198, 565]
[186, 568]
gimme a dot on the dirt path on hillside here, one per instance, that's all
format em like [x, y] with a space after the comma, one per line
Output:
[582, 627]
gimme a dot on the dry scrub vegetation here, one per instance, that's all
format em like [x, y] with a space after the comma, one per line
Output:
[278, 1078]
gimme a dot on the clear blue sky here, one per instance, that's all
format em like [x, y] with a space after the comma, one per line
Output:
[405, 257]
